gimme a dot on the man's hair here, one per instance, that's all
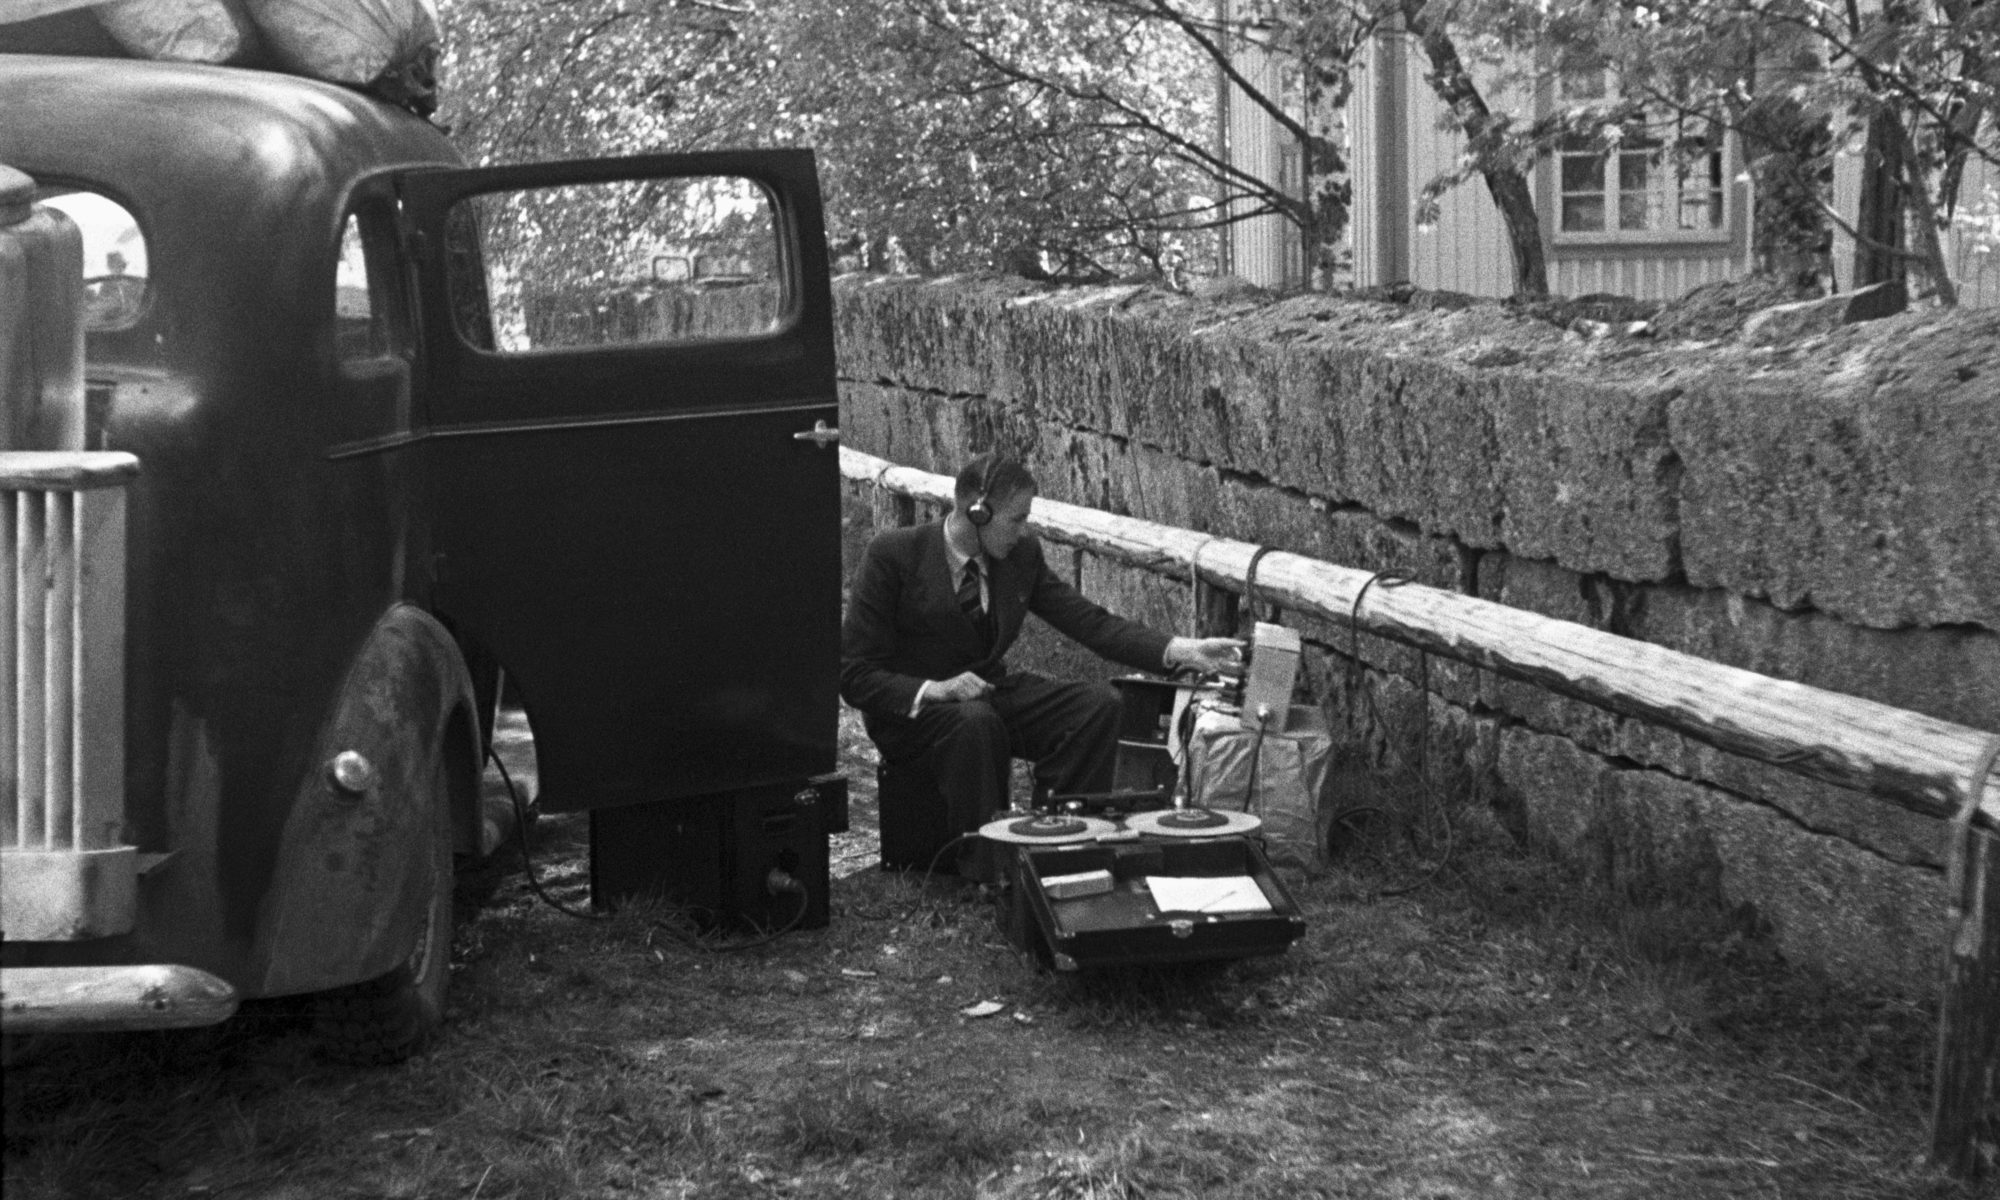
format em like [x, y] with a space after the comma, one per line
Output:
[993, 475]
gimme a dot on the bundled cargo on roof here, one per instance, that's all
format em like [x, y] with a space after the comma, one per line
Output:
[387, 47]
[216, 31]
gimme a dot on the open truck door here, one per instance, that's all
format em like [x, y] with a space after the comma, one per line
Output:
[628, 379]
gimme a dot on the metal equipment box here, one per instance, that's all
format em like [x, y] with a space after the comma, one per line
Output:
[1145, 759]
[715, 854]
[1274, 668]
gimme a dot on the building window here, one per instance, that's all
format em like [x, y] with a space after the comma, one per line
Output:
[1659, 178]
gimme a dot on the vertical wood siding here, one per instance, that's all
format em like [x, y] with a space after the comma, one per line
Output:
[1977, 274]
[1635, 273]
[1467, 249]
[1368, 234]
[1263, 250]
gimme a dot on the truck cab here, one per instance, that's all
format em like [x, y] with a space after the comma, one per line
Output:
[356, 432]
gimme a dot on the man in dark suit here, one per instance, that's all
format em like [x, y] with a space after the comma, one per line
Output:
[933, 611]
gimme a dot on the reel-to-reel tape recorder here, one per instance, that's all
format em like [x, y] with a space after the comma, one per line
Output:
[1162, 869]
[1088, 891]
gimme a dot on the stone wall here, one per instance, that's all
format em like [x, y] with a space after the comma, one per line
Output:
[1826, 512]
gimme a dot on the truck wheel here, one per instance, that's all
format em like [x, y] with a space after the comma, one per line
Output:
[385, 1020]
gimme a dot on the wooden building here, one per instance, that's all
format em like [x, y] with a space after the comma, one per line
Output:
[1636, 223]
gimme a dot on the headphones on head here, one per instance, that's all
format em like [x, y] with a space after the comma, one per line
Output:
[980, 511]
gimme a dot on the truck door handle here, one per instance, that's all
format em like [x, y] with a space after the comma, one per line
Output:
[821, 435]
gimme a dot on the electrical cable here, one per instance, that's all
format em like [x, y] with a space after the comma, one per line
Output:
[1430, 805]
[535, 884]
[527, 852]
[1194, 586]
[939, 856]
[919, 904]
[1186, 730]
[1256, 749]
[764, 938]
[1250, 585]
[1430, 802]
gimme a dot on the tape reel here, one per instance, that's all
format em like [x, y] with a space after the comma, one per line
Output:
[1045, 829]
[1192, 822]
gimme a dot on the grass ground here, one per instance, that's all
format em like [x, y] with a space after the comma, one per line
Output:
[1503, 1032]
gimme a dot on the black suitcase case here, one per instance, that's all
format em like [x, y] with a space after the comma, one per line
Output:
[914, 826]
[1124, 925]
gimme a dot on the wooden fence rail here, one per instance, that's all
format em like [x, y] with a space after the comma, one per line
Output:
[1915, 761]
[1932, 767]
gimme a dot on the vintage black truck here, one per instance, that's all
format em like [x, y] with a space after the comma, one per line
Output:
[356, 430]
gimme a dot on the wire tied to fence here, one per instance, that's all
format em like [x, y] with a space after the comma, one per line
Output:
[1357, 684]
[1194, 586]
[1250, 583]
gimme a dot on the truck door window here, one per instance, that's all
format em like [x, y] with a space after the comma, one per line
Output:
[360, 310]
[370, 330]
[625, 263]
[114, 259]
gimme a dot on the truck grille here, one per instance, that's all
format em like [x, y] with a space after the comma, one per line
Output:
[62, 649]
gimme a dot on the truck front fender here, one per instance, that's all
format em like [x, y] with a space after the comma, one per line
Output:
[352, 882]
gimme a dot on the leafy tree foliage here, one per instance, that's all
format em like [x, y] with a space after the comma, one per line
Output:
[1911, 82]
[932, 157]
[1315, 44]
[1075, 138]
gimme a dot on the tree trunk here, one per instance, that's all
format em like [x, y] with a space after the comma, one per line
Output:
[1516, 202]
[1922, 220]
[1880, 219]
[1965, 114]
[1792, 173]
[1507, 184]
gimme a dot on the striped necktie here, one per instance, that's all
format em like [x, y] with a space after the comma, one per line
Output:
[968, 594]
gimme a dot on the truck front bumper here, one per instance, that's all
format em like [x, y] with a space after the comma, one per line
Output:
[111, 999]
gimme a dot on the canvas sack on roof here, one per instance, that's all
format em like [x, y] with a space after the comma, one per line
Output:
[388, 47]
[359, 42]
[210, 31]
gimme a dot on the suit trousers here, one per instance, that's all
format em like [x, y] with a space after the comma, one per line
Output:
[1068, 729]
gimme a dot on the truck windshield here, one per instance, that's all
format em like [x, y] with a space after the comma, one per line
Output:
[114, 258]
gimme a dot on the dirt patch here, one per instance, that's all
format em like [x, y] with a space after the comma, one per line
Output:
[1502, 1032]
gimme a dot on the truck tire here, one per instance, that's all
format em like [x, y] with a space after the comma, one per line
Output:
[385, 1020]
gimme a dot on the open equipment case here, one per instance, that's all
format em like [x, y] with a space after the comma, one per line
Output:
[1126, 924]
[1174, 885]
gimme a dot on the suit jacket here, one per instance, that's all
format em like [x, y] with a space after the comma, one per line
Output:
[904, 625]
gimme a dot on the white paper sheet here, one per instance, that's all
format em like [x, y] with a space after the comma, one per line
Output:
[1206, 894]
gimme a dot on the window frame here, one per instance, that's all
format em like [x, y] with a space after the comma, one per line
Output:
[1721, 233]
[784, 276]
[53, 188]
[373, 218]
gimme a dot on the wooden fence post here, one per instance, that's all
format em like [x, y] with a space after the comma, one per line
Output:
[1965, 1100]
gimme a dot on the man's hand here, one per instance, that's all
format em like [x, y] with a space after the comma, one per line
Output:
[1210, 656]
[958, 689]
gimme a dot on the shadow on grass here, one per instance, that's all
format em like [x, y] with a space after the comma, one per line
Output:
[1508, 1031]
